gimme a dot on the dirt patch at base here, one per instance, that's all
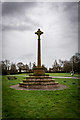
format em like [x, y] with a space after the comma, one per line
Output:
[59, 87]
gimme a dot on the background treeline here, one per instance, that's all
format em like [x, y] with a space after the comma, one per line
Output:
[7, 67]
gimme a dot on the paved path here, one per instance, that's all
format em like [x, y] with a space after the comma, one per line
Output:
[59, 87]
[65, 77]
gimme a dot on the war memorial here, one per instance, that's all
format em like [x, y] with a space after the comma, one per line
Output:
[38, 80]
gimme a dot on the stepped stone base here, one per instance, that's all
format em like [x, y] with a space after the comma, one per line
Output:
[38, 82]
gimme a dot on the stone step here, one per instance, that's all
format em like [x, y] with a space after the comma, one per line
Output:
[30, 86]
[37, 83]
[39, 77]
[56, 83]
[40, 83]
[39, 80]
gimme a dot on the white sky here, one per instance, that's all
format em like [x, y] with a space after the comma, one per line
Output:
[58, 21]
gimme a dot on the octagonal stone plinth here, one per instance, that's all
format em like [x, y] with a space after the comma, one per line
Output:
[39, 71]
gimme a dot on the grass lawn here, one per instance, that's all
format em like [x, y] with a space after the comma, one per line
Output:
[63, 74]
[40, 104]
[55, 74]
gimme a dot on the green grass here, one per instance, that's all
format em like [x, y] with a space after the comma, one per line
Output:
[40, 104]
[53, 74]
[20, 74]
[63, 74]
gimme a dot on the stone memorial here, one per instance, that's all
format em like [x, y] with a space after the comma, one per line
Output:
[39, 80]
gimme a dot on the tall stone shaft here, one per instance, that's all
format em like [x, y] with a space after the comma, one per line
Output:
[39, 48]
[39, 54]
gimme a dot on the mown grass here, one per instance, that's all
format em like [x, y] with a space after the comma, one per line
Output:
[40, 104]
[63, 74]
[54, 74]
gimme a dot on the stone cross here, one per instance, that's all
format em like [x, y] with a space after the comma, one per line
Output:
[38, 33]
[39, 48]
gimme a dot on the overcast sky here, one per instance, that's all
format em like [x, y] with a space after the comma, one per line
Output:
[58, 21]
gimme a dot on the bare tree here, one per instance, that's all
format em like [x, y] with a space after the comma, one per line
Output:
[44, 68]
[13, 69]
[67, 66]
[55, 66]
[4, 65]
[20, 66]
[29, 65]
[75, 59]
[34, 65]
